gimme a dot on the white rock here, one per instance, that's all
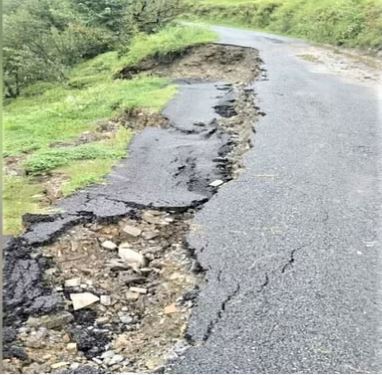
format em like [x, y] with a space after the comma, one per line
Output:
[116, 359]
[138, 290]
[105, 300]
[132, 231]
[102, 320]
[108, 354]
[216, 183]
[109, 245]
[72, 347]
[59, 364]
[150, 235]
[151, 218]
[81, 300]
[132, 296]
[72, 283]
[74, 366]
[127, 319]
[130, 256]
[117, 264]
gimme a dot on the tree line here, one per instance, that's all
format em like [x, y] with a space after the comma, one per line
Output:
[42, 39]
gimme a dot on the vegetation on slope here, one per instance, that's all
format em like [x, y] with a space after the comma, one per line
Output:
[42, 126]
[350, 23]
[43, 39]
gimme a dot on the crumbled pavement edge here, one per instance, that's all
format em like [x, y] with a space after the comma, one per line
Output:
[23, 260]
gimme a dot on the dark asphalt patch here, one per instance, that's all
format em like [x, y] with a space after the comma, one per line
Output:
[24, 291]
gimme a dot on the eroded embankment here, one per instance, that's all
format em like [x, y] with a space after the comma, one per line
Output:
[107, 284]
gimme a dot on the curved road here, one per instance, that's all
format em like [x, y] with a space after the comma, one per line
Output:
[292, 247]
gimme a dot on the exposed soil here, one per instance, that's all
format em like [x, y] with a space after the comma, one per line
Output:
[13, 165]
[129, 261]
[211, 62]
[241, 126]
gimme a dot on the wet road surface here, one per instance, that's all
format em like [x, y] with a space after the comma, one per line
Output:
[292, 247]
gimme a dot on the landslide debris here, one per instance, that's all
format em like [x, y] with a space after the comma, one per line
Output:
[122, 313]
[108, 283]
[210, 62]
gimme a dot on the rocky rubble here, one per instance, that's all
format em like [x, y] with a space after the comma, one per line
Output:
[125, 289]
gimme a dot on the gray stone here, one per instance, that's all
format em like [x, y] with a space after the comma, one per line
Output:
[132, 231]
[51, 321]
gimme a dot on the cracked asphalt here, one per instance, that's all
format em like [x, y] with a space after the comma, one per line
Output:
[167, 169]
[292, 247]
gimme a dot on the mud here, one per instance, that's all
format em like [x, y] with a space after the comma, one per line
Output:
[172, 170]
[211, 62]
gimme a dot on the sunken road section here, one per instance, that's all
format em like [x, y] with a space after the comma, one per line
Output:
[169, 173]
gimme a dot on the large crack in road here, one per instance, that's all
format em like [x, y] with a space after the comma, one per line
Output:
[170, 172]
[298, 230]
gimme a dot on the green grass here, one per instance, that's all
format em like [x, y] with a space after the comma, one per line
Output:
[61, 113]
[350, 23]
[51, 112]
[20, 195]
[33, 123]
[52, 158]
[83, 173]
[170, 39]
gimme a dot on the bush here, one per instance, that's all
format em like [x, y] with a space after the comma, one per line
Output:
[351, 23]
[44, 38]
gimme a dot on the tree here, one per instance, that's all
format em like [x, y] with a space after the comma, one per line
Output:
[149, 15]
[43, 38]
[103, 13]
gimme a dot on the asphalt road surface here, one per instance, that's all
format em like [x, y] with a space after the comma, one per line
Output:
[292, 247]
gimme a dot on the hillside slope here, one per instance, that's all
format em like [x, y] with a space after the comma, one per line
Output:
[350, 23]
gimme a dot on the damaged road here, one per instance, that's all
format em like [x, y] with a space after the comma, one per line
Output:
[292, 247]
[84, 287]
[280, 270]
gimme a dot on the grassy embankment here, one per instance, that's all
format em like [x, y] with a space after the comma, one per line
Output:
[48, 113]
[349, 23]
